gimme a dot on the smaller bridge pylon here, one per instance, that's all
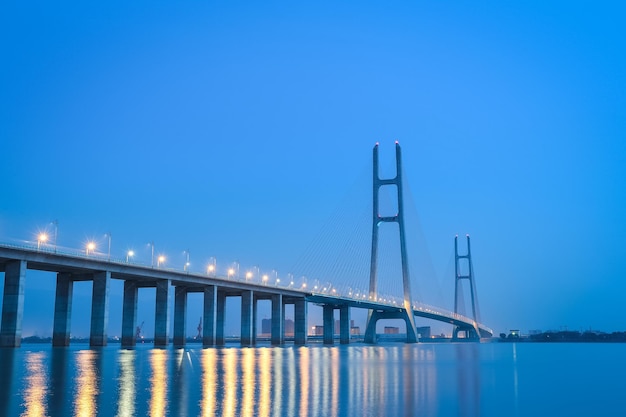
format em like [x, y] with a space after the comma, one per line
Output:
[473, 331]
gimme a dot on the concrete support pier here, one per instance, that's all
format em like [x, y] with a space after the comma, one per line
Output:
[100, 308]
[344, 325]
[329, 323]
[278, 320]
[180, 315]
[255, 318]
[129, 314]
[300, 321]
[208, 316]
[220, 317]
[246, 318]
[162, 314]
[62, 310]
[13, 304]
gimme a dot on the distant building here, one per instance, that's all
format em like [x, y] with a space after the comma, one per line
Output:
[392, 330]
[423, 332]
[317, 330]
[266, 326]
[354, 330]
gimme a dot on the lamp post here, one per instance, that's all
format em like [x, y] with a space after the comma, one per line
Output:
[56, 232]
[108, 235]
[211, 268]
[129, 255]
[186, 267]
[152, 254]
[160, 260]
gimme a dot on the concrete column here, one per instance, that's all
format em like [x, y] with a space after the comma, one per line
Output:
[278, 320]
[129, 314]
[300, 321]
[210, 302]
[246, 318]
[180, 316]
[13, 304]
[255, 319]
[162, 315]
[370, 327]
[344, 325]
[62, 310]
[329, 323]
[220, 340]
[100, 308]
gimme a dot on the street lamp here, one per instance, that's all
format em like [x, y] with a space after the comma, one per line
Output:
[186, 267]
[248, 275]
[108, 235]
[210, 270]
[42, 238]
[56, 233]
[152, 255]
[160, 260]
[91, 247]
[265, 278]
[231, 272]
[129, 255]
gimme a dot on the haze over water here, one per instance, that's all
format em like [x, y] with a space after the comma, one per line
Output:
[466, 379]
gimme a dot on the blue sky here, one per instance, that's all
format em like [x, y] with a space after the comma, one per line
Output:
[235, 130]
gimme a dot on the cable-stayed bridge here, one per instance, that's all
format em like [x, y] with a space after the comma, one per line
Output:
[360, 290]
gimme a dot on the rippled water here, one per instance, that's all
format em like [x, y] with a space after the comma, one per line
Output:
[464, 379]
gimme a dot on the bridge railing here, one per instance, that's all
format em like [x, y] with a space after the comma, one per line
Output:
[304, 285]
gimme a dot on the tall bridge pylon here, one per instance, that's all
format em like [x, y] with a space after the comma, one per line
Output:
[405, 313]
[470, 332]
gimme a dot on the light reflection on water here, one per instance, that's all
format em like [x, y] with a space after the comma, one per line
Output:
[158, 382]
[397, 379]
[36, 386]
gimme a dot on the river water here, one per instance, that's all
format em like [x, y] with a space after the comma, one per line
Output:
[439, 379]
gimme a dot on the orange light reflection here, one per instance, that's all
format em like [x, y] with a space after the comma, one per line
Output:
[86, 382]
[36, 380]
[209, 367]
[158, 383]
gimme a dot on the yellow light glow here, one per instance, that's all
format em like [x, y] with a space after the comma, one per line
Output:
[42, 237]
[161, 258]
[231, 271]
[211, 268]
[248, 275]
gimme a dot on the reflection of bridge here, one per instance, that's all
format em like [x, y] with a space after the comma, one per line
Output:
[72, 267]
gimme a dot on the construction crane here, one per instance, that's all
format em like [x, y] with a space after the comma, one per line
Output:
[138, 331]
[199, 336]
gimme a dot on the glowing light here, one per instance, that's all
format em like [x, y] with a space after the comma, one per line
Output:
[91, 247]
[129, 255]
[160, 260]
[42, 238]
[265, 278]
[231, 271]
[248, 275]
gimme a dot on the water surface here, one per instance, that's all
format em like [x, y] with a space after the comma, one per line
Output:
[465, 379]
